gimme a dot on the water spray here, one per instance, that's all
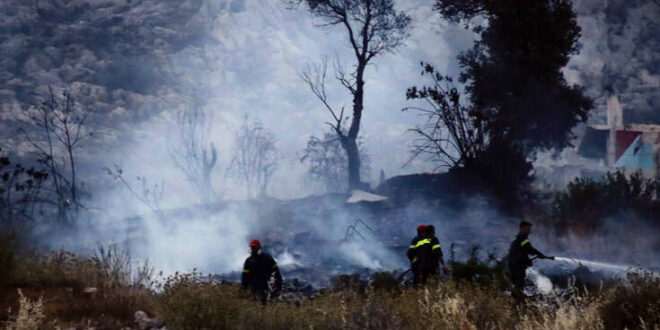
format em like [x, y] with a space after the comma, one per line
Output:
[598, 264]
[542, 283]
[604, 270]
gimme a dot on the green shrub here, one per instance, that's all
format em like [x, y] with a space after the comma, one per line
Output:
[587, 199]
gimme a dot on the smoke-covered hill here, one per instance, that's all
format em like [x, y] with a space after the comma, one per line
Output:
[111, 53]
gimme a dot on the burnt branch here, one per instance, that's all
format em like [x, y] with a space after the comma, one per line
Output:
[453, 134]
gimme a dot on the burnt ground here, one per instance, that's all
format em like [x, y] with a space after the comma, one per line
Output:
[319, 237]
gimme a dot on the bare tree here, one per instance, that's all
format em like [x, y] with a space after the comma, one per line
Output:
[453, 135]
[56, 130]
[255, 157]
[147, 193]
[373, 27]
[327, 162]
[193, 152]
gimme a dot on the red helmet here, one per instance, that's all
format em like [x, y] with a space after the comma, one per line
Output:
[421, 229]
[255, 244]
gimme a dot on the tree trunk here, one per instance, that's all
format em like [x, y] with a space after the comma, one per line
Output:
[74, 184]
[350, 142]
[353, 155]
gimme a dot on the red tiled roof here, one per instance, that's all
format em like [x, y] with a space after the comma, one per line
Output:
[623, 141]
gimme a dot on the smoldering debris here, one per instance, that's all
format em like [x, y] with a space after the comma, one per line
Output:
[318, 238]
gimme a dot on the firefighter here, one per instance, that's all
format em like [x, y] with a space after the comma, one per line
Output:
[420, 256]
[258, 269]
[519, 258]
[436, 251]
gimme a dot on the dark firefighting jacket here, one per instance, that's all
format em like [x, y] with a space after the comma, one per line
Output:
[258, 270]
[424, 253]
[436, 249]
[520, 252]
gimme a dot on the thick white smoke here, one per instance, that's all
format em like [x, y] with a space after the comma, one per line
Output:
[258, 51]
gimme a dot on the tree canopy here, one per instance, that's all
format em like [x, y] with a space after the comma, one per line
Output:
[513, 73]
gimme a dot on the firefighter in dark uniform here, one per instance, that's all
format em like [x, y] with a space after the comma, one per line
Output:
[436, 251]
[258, 269]
[413, 253]
[420, 254]
[519, 258]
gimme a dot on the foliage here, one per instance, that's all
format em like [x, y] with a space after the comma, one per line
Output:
[20, 188]
[523, 47]
[592, 200]
[519, 101]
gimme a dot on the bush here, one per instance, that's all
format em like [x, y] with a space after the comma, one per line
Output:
[7, 258]
[489, 272]
[587, 199]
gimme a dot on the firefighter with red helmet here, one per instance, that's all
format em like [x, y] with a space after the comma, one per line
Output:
[425, 255]
[420, 255]
[258, 270]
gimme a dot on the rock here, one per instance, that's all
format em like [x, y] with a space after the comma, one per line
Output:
[90, 292]
[144, 322]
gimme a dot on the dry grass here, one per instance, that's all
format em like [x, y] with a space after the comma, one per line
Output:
[190, 301]
[30, 315]
[103, 291]
[636, 306]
